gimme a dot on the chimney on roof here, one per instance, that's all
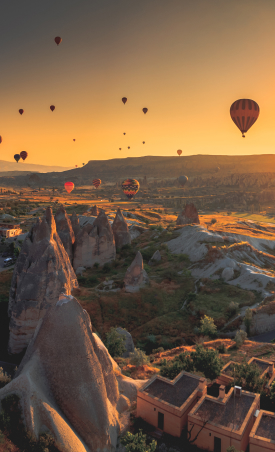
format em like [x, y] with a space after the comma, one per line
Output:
[238, 391]
[202, 384]
[221, 391]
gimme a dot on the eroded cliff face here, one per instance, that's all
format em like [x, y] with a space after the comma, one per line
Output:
[95, 243]
[189, 215]
[43, 270]
[120, 230]
[68, 382]
[65, 231]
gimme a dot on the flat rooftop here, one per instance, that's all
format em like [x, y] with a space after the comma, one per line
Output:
[224, 413]
[177, 393]
[266, 428]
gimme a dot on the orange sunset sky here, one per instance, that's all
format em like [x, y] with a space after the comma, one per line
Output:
[187, 61]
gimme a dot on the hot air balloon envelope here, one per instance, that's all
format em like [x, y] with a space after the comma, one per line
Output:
[21, 111]
[17, 157]
[145, 110]
[179, 151]
[96, 182]
[183, 180]
[124, 100]
[52, 107]
[1, 139]
[130, 187]
[143, 142]
[23, 155]
[124, 133]
[244, 112]
[69, 186]
[58, 40]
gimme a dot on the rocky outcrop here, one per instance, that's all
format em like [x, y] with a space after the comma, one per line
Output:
[41, 272]
[128, 342]
[189, 215]
[135, 277]
[155, 258]
[75, 223]
[69, 385]
[95, 243]
[94, 211]
[65, 231]
[121, 230]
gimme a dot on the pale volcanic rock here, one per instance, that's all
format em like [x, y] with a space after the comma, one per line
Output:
[94, 211]
[121, 230]
[65, 230]
[95, 243]
[189, 215]
[155, 258]
[67, 382]
[41, 272]
[75, 223]
[135, 277]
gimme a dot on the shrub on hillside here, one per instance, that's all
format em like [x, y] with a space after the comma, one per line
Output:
[213, 221]
[248, 376]
[232, 308]
[208, 327]
[137, 443]
[207, 361]
[115, 343]
[138, 357]
[240, 338]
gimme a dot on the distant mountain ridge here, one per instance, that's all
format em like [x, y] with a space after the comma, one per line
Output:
[11, 167]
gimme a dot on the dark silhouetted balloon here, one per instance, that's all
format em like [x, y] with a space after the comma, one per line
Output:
[69, 186]
[179, 151]
[120, 149]
[73, 139]
[124, 100]
[23, 155]
[21, 111]
[244, 112]
[0, 139]
[96, 182]
[83, 164]
[124, 133]
[143, 142]
[58, 40]
[183, 180]
[128, 147]
[16, 157]
[145, 110]
[52, 107]
[130, 187]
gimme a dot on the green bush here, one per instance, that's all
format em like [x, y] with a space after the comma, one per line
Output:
[178, 364]
[137, 443]
[207, 361]
[248, 377]
[138, 357]
[115, 343]
[213, 221]
[208, 328]
[240, 338]
[221, 348]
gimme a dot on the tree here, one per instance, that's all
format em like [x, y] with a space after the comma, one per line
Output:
[115, 343]
[174, 367]
[248, 320]
[248, 377]
[137, 443]
[240, 338]
[138, 357]
[208, 327]
[207, 361]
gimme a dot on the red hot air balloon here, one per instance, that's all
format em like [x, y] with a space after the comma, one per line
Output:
[58, 40]
[52, 107]
[16, 157]
[76, 166]
[179, 151]
[73, 139]
[145, 110]
[96, 182]
[120, 149]
[244, 112]
[124, 100]
[69, 186]
[0, 139]
[23, 155]
[21, 111]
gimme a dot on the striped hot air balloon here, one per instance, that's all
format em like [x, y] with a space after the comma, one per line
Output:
[244, 112]
[96, 182]
[130, 187]
[23, 155]
[69, 186]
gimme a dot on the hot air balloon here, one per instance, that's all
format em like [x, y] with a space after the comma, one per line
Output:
[76, 166]
[58, 40]
[96, 182]
[179, 151]
[52, 107]
[143, 142]
[128, 147]
[69, 186]
[0, 139]
[120, 149]
[183, 180]
[83, 164]
[145, 110]
[23, 155]
[244, 112]
[124, 100]
[130, 187]
[16, 157]
[21, 111]
[73, 139]
[124, 133]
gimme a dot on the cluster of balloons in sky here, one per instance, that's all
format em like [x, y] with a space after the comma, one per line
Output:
[124, 100]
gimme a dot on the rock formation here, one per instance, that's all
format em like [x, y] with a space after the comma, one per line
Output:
[94, 211]
[95, 243]
[189, 215]
[75, 223]
[69, 385]
[155, 258]
[129, 344]
[135, 277]
[120, 230]
[41, 272]
[65, 231]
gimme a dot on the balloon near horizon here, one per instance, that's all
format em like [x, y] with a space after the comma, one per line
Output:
[130, 187]
[244, 113]
[69, 186]
[96, 183]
